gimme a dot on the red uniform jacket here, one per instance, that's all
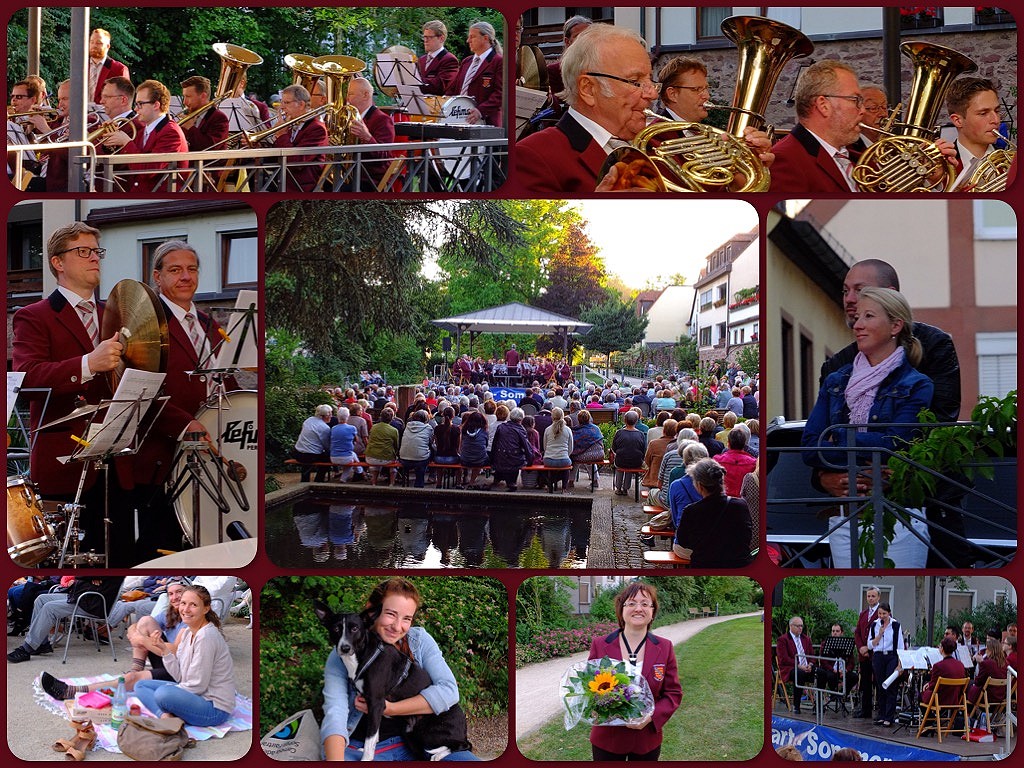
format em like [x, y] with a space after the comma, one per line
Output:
[802, 166]
[109, 68]
[382, 128]
[49, 341]
[987, 668]
[660, 671]
[187, 393]
[486, 86]
[167, 136]
[860, 634]
[785, 652]
[439, 75]
[313, 133]
[560, 160]
[948, 667]
[212, 129]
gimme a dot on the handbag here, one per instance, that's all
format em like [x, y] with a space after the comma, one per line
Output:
[150, 738]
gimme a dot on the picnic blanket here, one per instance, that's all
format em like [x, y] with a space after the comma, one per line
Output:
[106, 736]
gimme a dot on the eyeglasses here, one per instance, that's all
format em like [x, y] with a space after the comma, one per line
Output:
[694, 88]
[139, 103]
[797, 626]
[85, 252]
[638, 84]
[875, 108]
[635, 604]
[858, 99]
[20, 96]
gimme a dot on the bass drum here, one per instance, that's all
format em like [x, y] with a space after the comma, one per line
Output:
[239, 442]
[30, 539]
[455, 110]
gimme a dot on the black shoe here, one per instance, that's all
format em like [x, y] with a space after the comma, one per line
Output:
[44, 648]
[57, 689]
[861, 715]
[89, 634]
[796, 710]
[18, 655]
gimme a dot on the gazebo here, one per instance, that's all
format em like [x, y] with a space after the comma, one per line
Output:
[512, 318]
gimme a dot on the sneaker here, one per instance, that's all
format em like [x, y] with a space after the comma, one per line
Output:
[44, 648]
[57, 689]
[18, 655]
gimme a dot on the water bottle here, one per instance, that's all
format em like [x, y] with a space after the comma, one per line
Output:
[118, 705]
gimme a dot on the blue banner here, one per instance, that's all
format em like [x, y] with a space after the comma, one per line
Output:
[818, 742]
[508, 393]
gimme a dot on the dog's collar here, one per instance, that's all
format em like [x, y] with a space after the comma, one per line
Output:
[376, 655]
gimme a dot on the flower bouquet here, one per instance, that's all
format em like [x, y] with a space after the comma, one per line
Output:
[601, 692]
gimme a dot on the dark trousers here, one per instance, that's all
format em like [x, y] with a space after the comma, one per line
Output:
[600, 754]
[312, 458]
[884, 664]
[801, 678]
[158, 523]
[867, 686]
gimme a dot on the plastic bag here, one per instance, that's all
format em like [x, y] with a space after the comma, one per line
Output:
[581, 706]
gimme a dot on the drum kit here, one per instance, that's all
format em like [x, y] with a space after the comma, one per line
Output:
[220, 475]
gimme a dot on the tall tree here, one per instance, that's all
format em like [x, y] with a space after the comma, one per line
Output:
[617, 326]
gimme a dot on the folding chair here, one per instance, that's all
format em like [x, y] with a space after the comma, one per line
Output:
[779, 686]
[986, 704]
[80, 618]
[933, 710]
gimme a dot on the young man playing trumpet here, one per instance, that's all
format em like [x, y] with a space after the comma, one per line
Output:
[973, 106]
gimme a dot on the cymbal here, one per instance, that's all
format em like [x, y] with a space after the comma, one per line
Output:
[77, 413]
[135, 307]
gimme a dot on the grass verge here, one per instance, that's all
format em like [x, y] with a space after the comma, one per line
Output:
[721, 670]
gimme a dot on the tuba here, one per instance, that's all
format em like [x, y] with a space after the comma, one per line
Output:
[337, 71]
[907, 160]
[234, 61]
[303, 74]
[705, 158]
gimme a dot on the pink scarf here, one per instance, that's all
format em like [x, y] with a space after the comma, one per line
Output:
[864, 381]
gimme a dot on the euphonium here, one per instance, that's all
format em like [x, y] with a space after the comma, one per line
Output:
[337, 72]
[704, 158]
[234, 61]
[909, 161]
[991, 173]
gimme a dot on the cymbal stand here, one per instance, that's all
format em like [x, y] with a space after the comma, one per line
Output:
[25, 436]
[197, 476]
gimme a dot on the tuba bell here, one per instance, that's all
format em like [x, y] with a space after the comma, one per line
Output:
[337, 72]
[303, 74]
[909, 161]
[705, 158]
[234, 61]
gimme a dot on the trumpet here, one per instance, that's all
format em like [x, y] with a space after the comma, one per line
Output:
[42, 111]
[113, 126]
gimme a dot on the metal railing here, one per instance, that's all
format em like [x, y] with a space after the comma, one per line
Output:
[471, 165]
[880, 505]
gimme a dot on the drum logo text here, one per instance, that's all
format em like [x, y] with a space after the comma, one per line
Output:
[243, 433]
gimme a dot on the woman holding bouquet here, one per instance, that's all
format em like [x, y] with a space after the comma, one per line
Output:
[644, 653]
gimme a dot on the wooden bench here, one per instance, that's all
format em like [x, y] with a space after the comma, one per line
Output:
[636, 485]
[649, 510]
[694, 613]
[596, 464]
[449, 474]
[667, 557]
[646, 530]
[338, 467]
[603, 415]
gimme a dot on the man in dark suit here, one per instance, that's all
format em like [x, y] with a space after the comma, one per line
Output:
[860, 637]
[310, 132]
[192, 337]
[481, 75]
[101, 66]
[437, 67]
[58, 346]
[792, 651]
[606, 110]
[374, 126]
[211, 127]
[158, 135]
[829, 671]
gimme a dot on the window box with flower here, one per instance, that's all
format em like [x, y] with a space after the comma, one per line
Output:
[920, 17]
[987, 14]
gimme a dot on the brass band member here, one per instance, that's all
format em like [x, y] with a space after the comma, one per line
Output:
[318, 96]
[570, 31]
[374, 126]
[973, 106]
[101, 66]
[24, 96]
[437, 66]
[159, 134]
[209, 128]
[117, 97]
[480, 75]
[876, 111]
[305, 133]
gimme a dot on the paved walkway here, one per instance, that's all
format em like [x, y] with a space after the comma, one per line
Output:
[535, 703]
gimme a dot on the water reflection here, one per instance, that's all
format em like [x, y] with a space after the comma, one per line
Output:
[418, 534]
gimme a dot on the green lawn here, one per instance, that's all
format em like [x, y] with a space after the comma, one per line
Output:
[722, 714]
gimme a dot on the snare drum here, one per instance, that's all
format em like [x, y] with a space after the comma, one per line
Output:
[455, 110]
[239, 442]
[30, 539]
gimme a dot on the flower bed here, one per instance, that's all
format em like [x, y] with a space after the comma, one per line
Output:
[555, 643]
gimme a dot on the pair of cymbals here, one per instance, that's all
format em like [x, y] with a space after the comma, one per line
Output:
[135, 311]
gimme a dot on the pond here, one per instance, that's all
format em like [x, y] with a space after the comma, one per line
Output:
[444, 531]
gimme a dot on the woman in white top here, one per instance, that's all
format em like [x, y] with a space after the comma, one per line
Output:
[199, 661]
[557, 450]
[884, 639]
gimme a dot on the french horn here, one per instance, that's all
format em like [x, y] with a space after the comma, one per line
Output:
[992, 172]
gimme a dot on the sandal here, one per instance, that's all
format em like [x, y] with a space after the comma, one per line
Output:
[85, 738]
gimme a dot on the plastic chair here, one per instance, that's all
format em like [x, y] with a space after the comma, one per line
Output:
[933, 710]
[83, 618]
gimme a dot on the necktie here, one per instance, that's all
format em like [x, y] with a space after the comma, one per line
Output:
[842, 158]
[469, 74]
[85, 309]
[614, 143]
[194, 334]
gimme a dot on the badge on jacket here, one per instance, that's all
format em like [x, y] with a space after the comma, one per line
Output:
[486, 81]
[659, 672]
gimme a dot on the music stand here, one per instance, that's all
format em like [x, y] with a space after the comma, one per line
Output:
[841, 649]
[120, 434]
[21, 430]
[392, 70]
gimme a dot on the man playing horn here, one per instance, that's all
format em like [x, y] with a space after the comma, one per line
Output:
[209, 128]
[876, 112]
[308, 132]
[973, 106]
[437, 67]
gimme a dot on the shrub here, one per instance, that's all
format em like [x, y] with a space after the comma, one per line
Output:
[555, 643]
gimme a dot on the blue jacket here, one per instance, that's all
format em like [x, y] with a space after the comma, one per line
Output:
[900, 397]
[340, 714]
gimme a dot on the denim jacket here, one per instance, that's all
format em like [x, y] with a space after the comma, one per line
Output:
[340, 714]
[900, 396]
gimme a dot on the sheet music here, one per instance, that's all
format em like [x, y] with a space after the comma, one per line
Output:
[241, 335]
[963, 653]
[14, 381]
[915, 659]
[392, 70]
[118, 429]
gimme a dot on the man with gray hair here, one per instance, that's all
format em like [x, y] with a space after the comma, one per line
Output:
[308, 132]
[313, 445]
[481, 75]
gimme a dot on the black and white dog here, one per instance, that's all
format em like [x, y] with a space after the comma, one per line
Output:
[381, 672]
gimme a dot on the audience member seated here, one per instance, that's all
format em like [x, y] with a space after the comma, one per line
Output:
[736, 460]
[716, 531]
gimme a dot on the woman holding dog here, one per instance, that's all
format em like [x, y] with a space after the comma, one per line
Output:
[390, 610]
[653, 657]
[202, 691]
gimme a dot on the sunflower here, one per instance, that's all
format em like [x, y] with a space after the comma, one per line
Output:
[604, 682]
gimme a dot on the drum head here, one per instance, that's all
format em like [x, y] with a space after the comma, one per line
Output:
[239, 434]
[455, 110]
